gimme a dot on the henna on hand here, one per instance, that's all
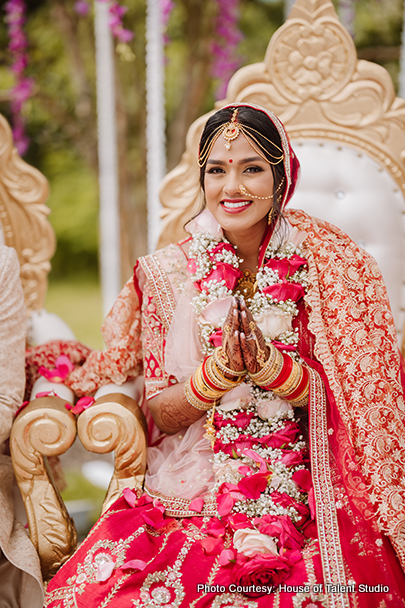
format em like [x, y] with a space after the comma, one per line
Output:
[252, 342]
[171, 411]
[230, 339]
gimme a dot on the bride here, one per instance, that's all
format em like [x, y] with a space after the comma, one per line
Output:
[274, 403]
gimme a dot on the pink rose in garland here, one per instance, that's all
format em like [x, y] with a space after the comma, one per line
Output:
[283, 499]
[282, 528]
[262, 569]
[286, 267]
[241, 420]
[237, 447]
[219, 249]
[285, 291]
[222, 272]
[254, 485]
[216, 338]
[288, 434]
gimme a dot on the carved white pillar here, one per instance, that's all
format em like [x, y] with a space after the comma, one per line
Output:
[155, 120]
[110, 252]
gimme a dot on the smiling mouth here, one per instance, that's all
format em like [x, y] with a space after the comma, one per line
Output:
[236, 205]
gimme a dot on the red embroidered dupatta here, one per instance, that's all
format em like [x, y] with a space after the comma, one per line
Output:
[356, 422]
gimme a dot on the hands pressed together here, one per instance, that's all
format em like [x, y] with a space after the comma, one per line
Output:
[242, 340]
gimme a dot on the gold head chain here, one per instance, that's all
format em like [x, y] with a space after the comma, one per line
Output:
[230, 131]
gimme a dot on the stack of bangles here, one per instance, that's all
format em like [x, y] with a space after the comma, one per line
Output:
[208, 384]
[285, 377]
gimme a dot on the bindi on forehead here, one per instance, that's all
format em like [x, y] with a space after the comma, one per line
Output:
[230, 160]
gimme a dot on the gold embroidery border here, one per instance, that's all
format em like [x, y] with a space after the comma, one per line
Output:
[326, 515]
[161, 289]
[179, 507]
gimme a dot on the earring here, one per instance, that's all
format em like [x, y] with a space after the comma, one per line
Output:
[270, 216]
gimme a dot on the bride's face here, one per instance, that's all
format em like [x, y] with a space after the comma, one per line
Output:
[226, 171]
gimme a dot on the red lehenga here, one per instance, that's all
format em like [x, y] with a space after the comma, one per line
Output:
[170, 552]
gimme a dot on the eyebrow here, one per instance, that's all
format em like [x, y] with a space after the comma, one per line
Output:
[241, 162]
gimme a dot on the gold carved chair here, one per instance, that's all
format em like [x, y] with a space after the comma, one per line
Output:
[348, 129]
[46, 427]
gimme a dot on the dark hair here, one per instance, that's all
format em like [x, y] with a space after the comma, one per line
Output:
[264, 132]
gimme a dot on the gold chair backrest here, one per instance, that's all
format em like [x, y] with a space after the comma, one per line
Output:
[23, 218]
[311, 78]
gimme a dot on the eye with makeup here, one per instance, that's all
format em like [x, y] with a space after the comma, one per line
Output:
[254, 169]
[214, 170]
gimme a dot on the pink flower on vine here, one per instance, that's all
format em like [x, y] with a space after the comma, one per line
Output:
[22, 90]
[224, 49]
[82, 8]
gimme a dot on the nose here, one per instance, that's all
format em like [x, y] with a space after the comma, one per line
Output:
[231, 185]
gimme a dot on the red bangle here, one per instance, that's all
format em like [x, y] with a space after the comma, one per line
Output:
[207, 379]
[283, 375]
[302, 385]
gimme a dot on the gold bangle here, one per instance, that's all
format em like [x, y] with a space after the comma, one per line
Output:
[271, 369]
[301, 400]
[218, 353]
[214, 374]
[203, 389]
[193, 401]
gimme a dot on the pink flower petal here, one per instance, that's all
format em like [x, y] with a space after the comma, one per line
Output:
[153, 517]
[86, 402]
[257, 458]
[227, 556]
[158, 505]
[129, 496]
[21, 408]
[212, 546]
[225, 504]
[53, 375]
[64, 361]
[253, 486]
[303, 479]
[196, 505]
[144, 500]
[191, 266]
[104, 571]
[82, 404]
[135, 564]
[45, 394]
[215, 527]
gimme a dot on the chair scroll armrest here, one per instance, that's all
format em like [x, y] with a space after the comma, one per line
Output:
[44, 428]
[116, 422]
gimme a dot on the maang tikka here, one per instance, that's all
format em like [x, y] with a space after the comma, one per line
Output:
[230, 131]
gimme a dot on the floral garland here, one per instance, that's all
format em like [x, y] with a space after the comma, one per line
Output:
[263, 483]
[281, 282]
